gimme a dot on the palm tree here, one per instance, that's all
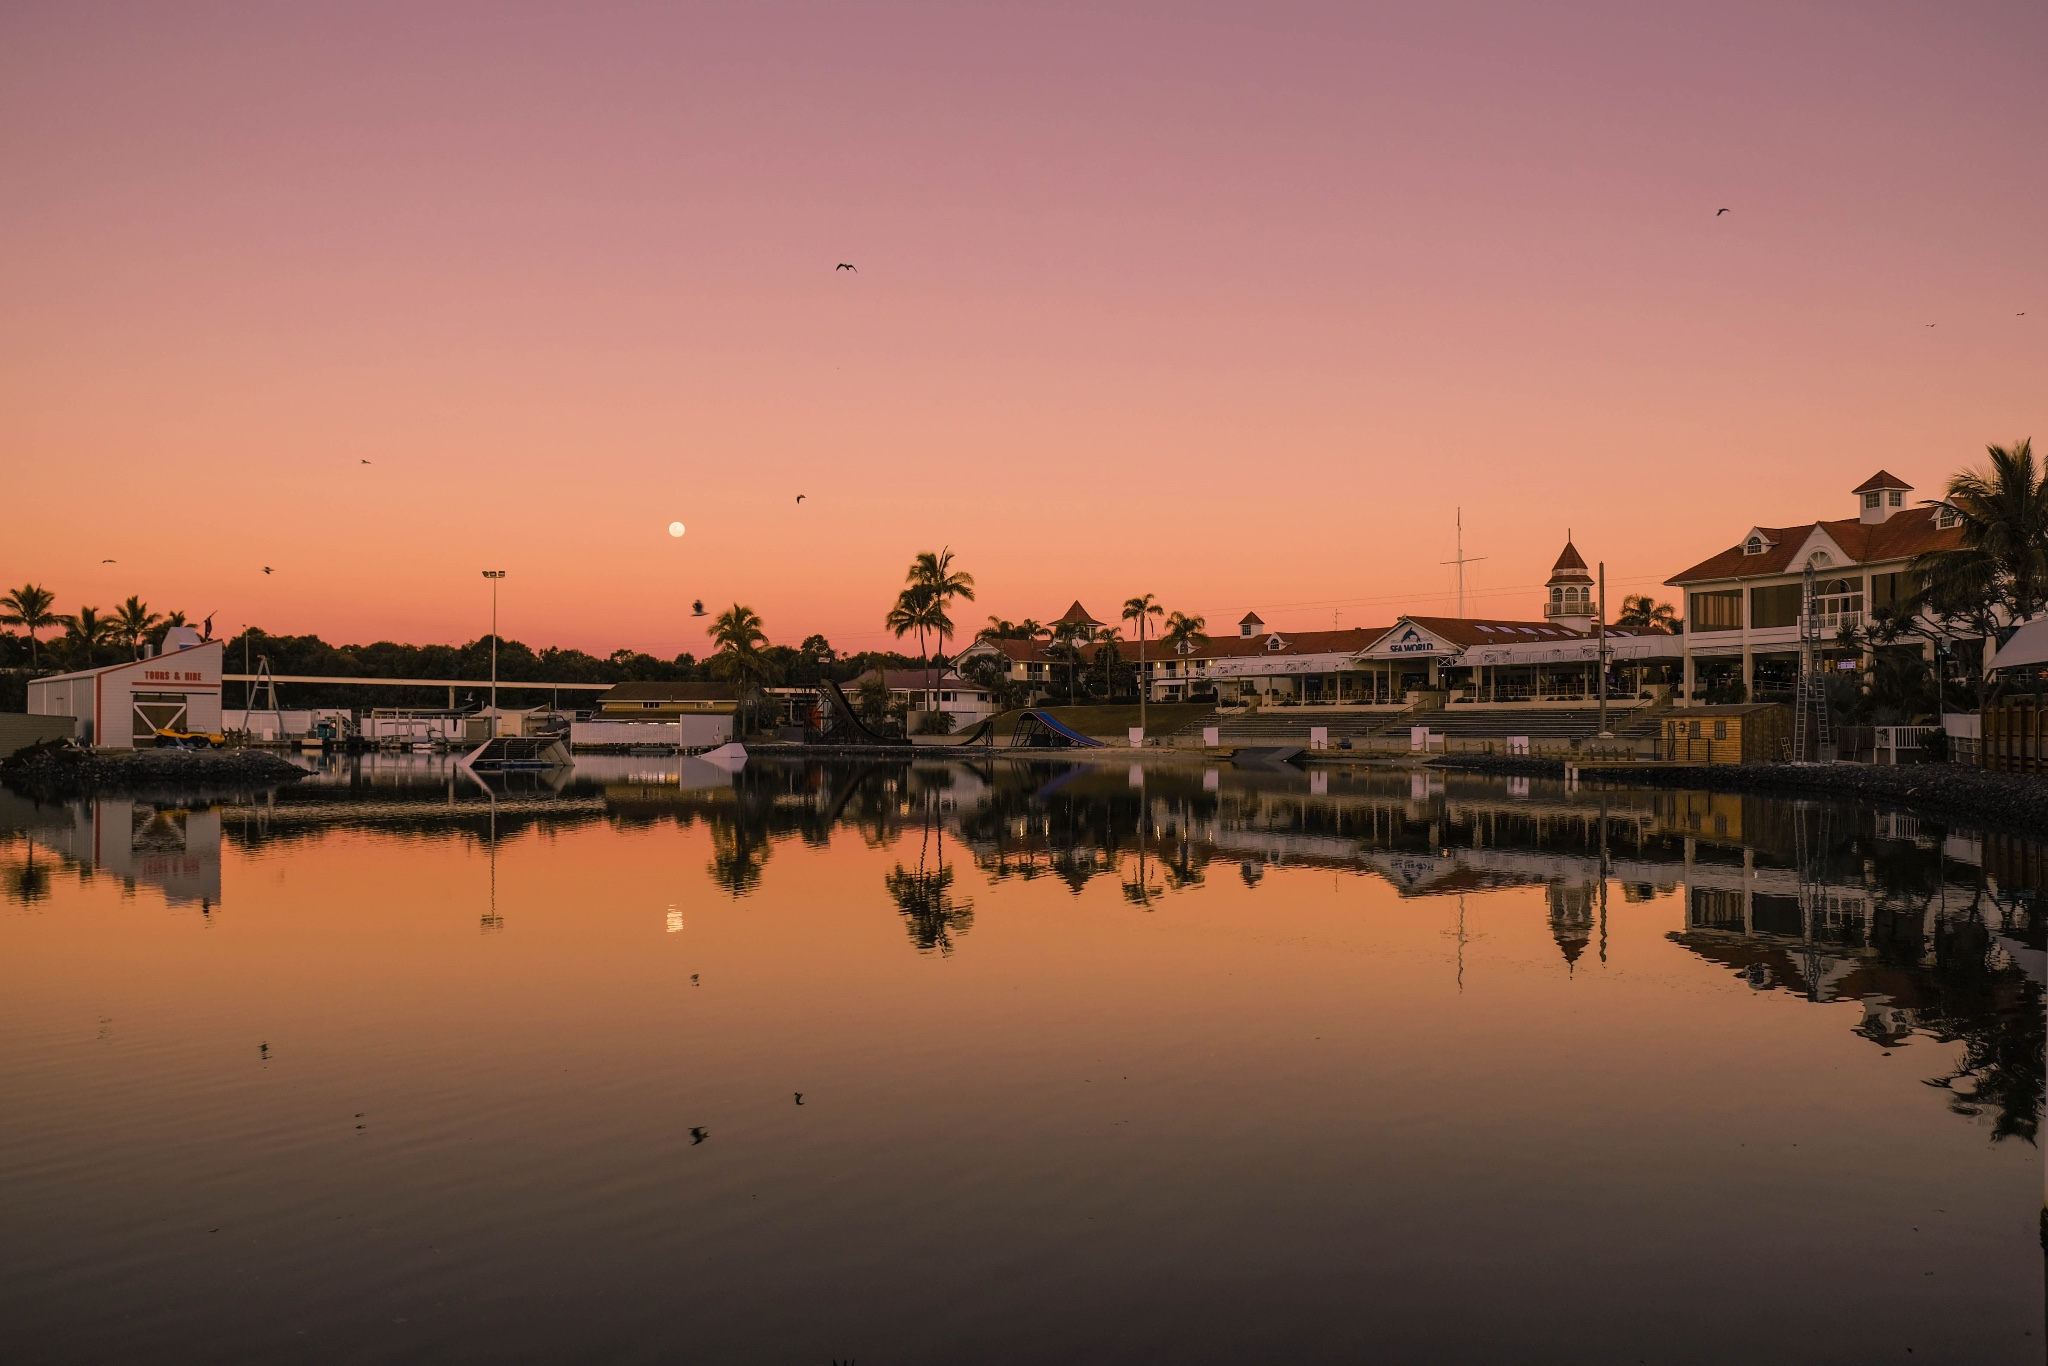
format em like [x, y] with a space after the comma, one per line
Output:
[934, 573]
[87, 630]
[1642, 612]
[1138, 609]
[737, 633]
[1183, 634]
[1000, 628]
[132, 622]
[1997, 576]
[29, 606]
[919, 609]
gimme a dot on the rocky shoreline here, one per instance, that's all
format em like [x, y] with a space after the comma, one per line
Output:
[64, 772]
[2002, 801]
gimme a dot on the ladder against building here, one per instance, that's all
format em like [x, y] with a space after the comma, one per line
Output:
[1812, 739]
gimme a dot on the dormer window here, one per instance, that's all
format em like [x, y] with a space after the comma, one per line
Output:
[1274, 642]
[1873, 499]
[1753, 546]
[1898, 499]
[1948, 519]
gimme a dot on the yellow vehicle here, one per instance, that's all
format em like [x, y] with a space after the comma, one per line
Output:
[186, 739]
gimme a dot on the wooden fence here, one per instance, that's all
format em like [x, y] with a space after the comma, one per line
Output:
[2012, 736]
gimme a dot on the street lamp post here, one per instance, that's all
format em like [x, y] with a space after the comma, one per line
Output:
[494, 575]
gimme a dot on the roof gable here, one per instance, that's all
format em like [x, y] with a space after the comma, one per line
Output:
[1910, 532]
[1883, 479]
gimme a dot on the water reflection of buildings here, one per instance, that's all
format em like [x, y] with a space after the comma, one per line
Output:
[173, 848]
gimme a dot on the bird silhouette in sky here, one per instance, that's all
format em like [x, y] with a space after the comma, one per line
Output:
[694, 981]
[1719, 212]
[1930, 324]
[697, 608]
[266, 569]
[844, 266]
[365, 462]
[698, 1136]
[799, 1097]
[799, 497]
[106, 561]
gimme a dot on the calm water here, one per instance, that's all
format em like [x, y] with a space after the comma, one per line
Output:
[1096, 1064]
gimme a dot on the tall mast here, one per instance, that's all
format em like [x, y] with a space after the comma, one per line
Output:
[1462, 560]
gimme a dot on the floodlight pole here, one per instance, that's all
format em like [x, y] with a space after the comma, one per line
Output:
[494, 575]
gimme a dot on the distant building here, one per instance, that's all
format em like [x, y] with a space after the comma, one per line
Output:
[1743, 606]
[122, 706]
[666, 701]
[1468, 660]
[946, 690]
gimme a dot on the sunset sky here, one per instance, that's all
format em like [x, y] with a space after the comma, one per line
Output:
[1230, 304]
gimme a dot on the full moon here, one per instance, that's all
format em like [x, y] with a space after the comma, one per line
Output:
[675, 528]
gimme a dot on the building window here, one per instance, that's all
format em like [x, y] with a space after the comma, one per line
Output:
[1948, 519]
[1720, 730]
[1839, 602]
[1889, 590]
[1871, 500]
[1753, 546]
[1721, 611]
[1695, 732]
[1898, 500]
[1777, 605]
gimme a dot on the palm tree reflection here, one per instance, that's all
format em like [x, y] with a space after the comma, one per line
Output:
[738, 852]
[924, 896]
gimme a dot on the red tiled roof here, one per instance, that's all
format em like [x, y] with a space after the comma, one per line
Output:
[1900, 537]
[1022, 651]
[1570, 559]
[917, 680]
[1467, 631]
[1883, 479]
[1077, 615]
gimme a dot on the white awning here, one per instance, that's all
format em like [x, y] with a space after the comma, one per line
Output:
[1274, 666]
[2028, 647]
[1622, 649]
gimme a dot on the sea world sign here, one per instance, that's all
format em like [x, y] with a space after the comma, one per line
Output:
[1412, 642]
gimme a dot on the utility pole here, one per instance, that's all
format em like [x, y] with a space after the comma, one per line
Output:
[1462, 560]
[494, 575]
[1600, 651]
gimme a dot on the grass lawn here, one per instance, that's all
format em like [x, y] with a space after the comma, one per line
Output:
[1115, 722]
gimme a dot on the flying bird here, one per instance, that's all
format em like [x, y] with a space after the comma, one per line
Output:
[698, 1136]
[365, 462]
[844, 266]
[1930, 324]
[106, 561]
[1719, 212]
[266, 569]
[799, 1097]
[696, 608]
[799, 497]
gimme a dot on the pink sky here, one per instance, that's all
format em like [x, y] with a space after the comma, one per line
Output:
[1230, 305]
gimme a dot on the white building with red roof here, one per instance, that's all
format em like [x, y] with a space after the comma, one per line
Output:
[1743, 606]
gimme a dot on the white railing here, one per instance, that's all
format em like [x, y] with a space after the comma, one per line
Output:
[1892, 739]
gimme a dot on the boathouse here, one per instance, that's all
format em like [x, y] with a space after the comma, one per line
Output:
[123, 706]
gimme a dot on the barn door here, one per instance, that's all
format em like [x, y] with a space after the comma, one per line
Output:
[155, 711]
